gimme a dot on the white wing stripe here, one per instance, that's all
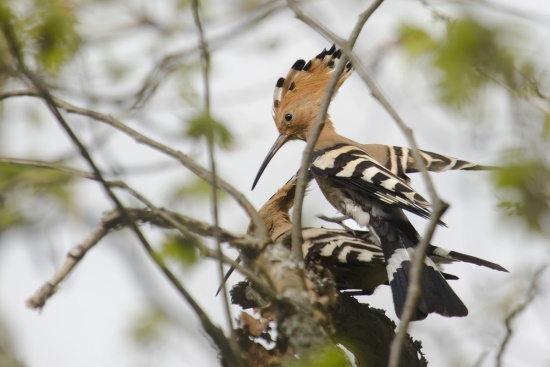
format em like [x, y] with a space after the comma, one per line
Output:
[400, 255]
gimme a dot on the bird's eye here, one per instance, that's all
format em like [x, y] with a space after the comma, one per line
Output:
[288, 117]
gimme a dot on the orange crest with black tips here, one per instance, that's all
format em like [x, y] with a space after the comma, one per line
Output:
[297, 97]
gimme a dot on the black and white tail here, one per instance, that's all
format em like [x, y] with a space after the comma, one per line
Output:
[398, 240]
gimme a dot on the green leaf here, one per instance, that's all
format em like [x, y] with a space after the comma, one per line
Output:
[329, 356]
[10, 27]
[41, 179]
[416, 41]
[183, 249]
[529, 182]
[196, 189]
[54, 34]
[9, 218]
[204, 125]
[36, 183]
[467, 58]
[147, 328]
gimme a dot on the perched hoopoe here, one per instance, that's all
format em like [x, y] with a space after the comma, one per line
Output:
[353, 257]
[366, 182]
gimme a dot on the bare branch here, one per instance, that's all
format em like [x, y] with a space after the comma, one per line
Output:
[49, 165]
[498, 7]
[325, 102]
[171, 62]
[184, 159]
[43, 92]
[414, 290]
[438, 209]
[167, 219]
[531, 294]
[185, 224]
[39, 298]
[223, 343]
[162, 218]
[210, 139]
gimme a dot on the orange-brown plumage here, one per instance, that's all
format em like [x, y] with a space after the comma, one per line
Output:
[299, 94]
[275, 212]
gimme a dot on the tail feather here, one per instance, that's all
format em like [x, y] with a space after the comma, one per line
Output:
[438, 296]
[398, 239]
[450, 256]
[399, 286]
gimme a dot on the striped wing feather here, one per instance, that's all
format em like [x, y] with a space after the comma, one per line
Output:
[351, 167]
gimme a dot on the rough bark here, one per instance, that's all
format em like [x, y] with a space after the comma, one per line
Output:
[366, 332]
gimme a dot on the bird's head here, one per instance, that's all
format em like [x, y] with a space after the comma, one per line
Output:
[297, 98]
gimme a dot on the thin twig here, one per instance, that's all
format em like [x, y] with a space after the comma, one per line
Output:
[171, 62]
[171, 219]
[183, 224]
[142, 139]
[319, 123]
[338, 220]
[215, 332]
[438, 209]
[210, 139]
[39, 298]
[506, 10]
[49, 165]
[531, 294]
[162, 218]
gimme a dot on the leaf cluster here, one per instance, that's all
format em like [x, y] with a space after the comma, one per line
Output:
[46, 32]
[460, 60]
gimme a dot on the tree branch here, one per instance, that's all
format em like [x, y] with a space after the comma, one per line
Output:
[172, 61]
[39, 298]
[210, 139]
[531, 294]
[162, 218]
[42, 91]
[184, 159]
[167, 219]
[319, 123]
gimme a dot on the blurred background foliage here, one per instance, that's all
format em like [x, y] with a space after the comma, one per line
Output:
[464, 57]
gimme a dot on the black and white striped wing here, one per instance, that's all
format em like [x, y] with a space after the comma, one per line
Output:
[351, 167]
[340, 247]
[440, 163]
[400, 160]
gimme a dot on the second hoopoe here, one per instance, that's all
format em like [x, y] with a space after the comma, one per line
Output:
[354, 258]
[365, 181]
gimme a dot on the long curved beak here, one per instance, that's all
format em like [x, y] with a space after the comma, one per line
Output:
[281, 140]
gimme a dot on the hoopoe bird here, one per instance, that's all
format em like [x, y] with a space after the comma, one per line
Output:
[367, 182]
[353, 257]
